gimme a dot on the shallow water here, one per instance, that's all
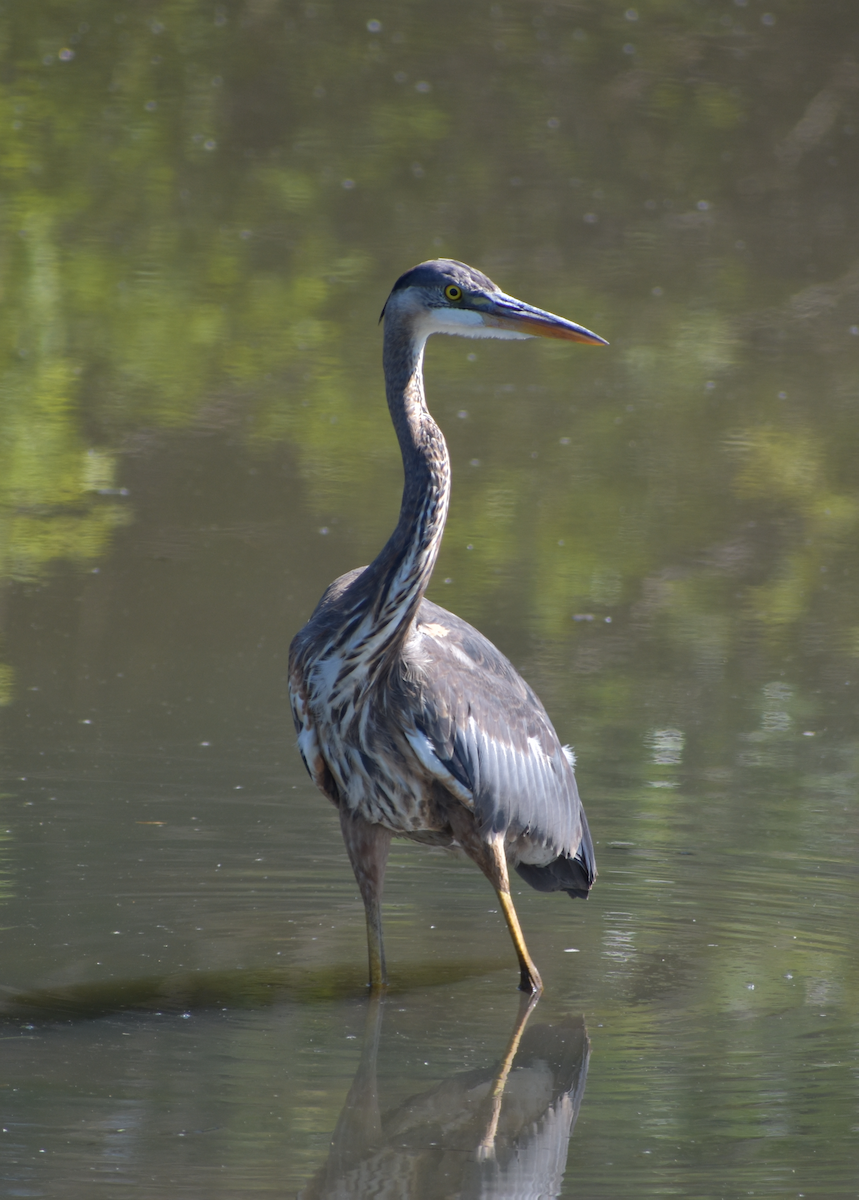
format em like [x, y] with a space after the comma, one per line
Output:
[203, 211]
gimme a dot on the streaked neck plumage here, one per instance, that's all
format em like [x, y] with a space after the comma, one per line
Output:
[382, 602]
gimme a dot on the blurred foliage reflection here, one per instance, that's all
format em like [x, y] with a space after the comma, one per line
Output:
[202, 209]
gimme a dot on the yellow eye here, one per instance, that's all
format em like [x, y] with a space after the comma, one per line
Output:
[453, 292]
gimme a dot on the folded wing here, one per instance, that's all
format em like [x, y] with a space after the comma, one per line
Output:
[484, 734]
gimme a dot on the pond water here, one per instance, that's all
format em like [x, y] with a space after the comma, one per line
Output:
[203, 208]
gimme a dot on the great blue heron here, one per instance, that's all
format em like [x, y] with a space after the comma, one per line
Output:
[408, 719]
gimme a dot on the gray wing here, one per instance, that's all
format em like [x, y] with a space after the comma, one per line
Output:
[497, 750]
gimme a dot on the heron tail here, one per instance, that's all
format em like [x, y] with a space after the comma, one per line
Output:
[570, 873]
[565, 874]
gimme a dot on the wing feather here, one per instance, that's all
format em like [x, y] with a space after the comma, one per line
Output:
[480, 725]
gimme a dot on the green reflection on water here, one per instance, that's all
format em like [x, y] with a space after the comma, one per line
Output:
[180, 246]
[6, 881]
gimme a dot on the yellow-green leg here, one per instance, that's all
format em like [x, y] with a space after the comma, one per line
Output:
[492, 860]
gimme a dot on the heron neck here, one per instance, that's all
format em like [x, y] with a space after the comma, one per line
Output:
[399, 575]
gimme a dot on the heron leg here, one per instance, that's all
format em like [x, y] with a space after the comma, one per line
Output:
[529, 980]
[492, 860]
[367, 846]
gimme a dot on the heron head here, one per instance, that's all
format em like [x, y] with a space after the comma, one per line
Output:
[445, 296]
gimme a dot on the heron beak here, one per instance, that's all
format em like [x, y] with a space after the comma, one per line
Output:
[507, 313]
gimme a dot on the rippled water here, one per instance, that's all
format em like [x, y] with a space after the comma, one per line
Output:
[203, 209]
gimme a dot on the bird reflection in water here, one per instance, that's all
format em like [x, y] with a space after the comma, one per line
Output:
[503, 1131]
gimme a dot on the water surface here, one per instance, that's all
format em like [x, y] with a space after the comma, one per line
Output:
[203, 210]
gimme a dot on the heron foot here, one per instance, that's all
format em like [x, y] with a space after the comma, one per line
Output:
[529, 980]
